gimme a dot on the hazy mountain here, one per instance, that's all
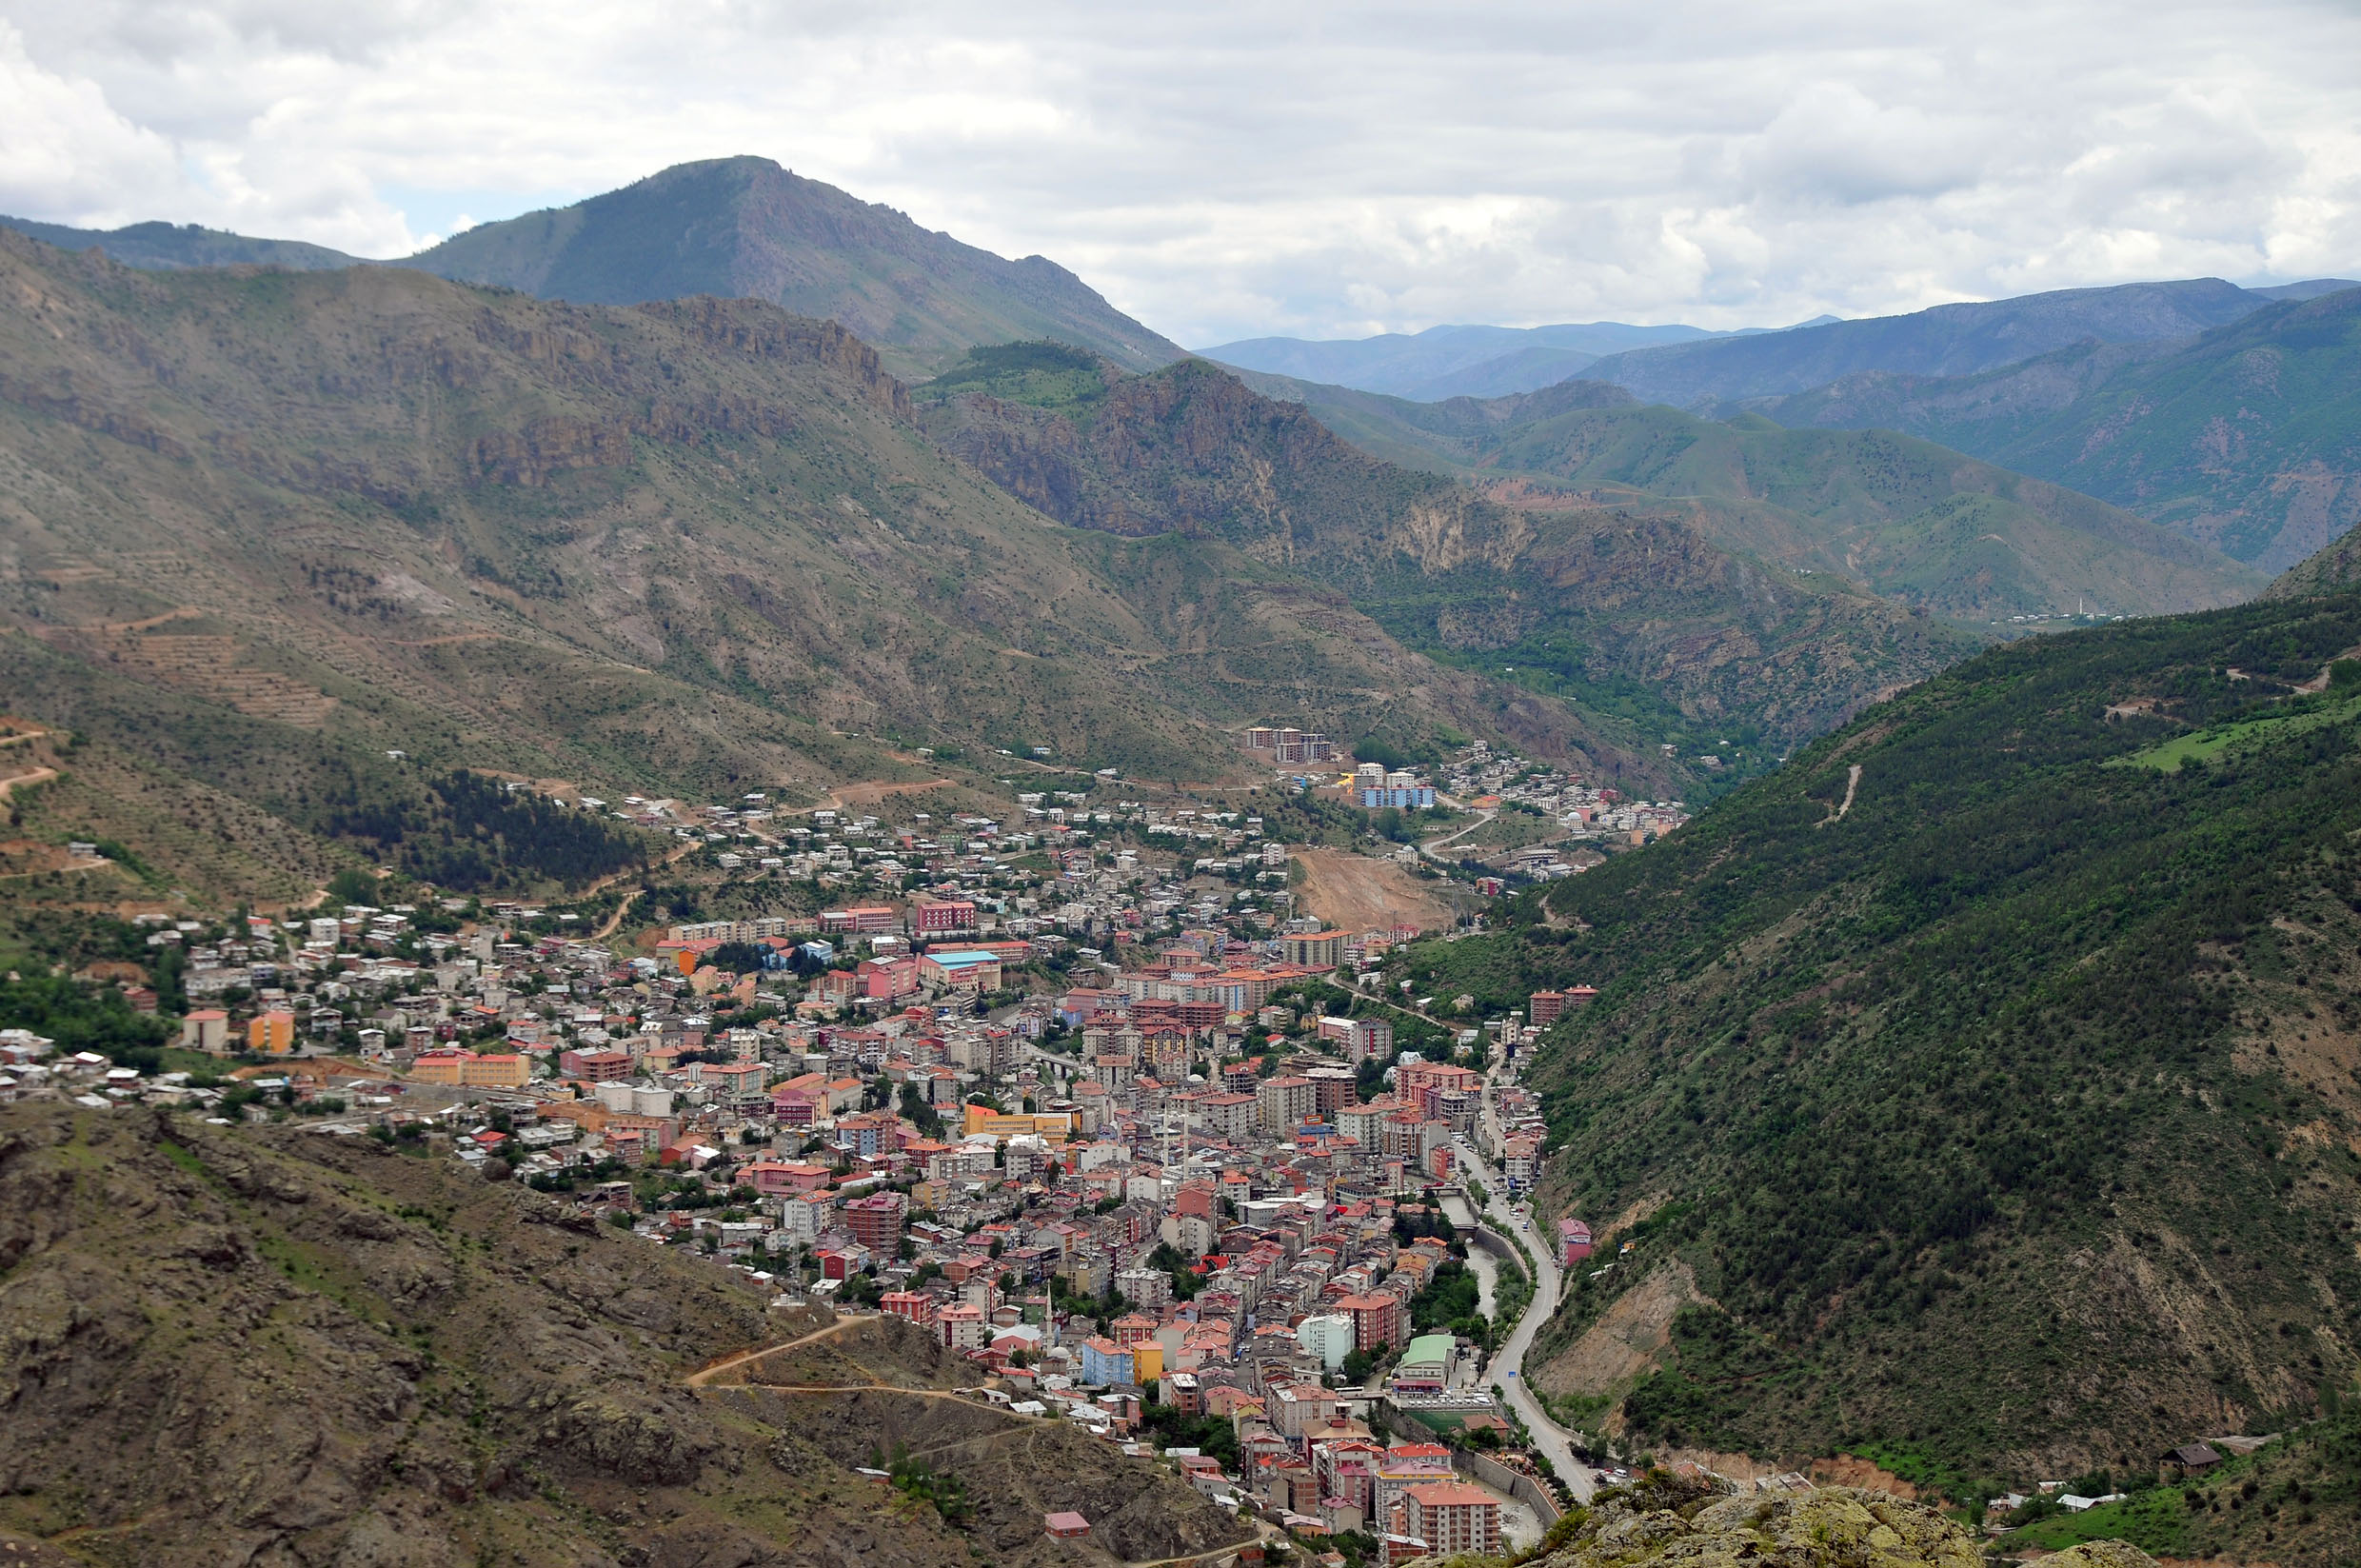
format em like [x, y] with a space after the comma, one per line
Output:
[736, 228]
[745, 227]
[1959, 1087]
[268, 527]
[1898, 516]
[1446, 360]
[1947, 340]
[164, 245]
[2247, 438]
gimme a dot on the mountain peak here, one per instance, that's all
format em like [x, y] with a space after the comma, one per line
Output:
[746, 225]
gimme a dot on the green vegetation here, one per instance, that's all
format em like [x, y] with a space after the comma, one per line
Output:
[1212, 1435]
[2205, 744]
[1040, 375]
[476, 835]
[939, 1490]
[2144, 431]
[83, 1018]
[1879, 1080]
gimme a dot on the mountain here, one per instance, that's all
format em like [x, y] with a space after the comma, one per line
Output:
[745, 227]
[1652, 631]
[299, 1347]
[266, 531]
[163, 246]
[1898, 516]
[1946, 340]
[733, 227]
[1446, 360]
[2247, 438]
[1974, 1093]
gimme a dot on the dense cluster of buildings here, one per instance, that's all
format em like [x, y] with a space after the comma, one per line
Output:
[1153, 1166]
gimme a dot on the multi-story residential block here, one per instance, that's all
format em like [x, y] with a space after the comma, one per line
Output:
[1450, 1517]
[1284, 1103]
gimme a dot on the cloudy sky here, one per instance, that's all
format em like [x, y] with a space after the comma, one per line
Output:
[1221, 171]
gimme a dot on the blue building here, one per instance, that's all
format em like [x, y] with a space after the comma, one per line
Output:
[1417, 796]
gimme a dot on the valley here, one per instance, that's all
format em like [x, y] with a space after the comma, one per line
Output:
[703, 878]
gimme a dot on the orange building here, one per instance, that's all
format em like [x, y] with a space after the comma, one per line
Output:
[272, 1033]
[465, 1069]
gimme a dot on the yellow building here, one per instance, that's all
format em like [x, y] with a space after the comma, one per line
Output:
[1147, 1361]
[272, 1033]
[1054, 1126]
[465, 1069]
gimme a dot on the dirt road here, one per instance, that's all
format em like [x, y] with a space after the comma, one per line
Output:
[705, 1375]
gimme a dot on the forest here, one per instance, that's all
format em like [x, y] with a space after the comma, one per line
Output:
[1998, 1119]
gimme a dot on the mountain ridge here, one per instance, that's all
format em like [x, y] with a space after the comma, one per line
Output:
[739, 227]
[2241, 437]
[1961, 339]
[1877, 508]
[686, 545]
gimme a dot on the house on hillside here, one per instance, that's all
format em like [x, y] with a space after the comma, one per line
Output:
[2191, 1458]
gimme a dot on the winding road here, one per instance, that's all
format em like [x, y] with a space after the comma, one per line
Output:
[1508, 1365]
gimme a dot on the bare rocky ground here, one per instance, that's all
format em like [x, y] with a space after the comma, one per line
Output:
[263, 1346]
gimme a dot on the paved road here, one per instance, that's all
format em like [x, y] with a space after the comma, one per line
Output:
[1507, 1368]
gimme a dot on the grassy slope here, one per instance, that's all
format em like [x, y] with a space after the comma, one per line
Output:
[2005, 1120]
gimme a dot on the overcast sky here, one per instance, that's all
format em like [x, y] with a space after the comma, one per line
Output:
[1225, 171]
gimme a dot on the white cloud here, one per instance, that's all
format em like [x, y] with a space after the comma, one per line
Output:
[1231, 170]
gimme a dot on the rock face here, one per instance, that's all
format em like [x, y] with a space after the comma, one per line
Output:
[1669, 1518]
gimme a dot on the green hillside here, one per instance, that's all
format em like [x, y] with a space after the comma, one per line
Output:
[1979, 1092]
[2247, 438]
[745, 227]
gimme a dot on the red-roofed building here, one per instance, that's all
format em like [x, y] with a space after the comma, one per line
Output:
[1450, 1516]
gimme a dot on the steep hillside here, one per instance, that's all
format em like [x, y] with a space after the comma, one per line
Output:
[316, 541]
[2248, 439]
[1947, 340]
[1977, 1093]
[745, 227]
[164, 245]
[2331, 570]
[295, 1347]
[1637, 619]
[1899, 517]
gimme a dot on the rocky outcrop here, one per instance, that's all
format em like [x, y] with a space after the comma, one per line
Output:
[1665, 1518]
